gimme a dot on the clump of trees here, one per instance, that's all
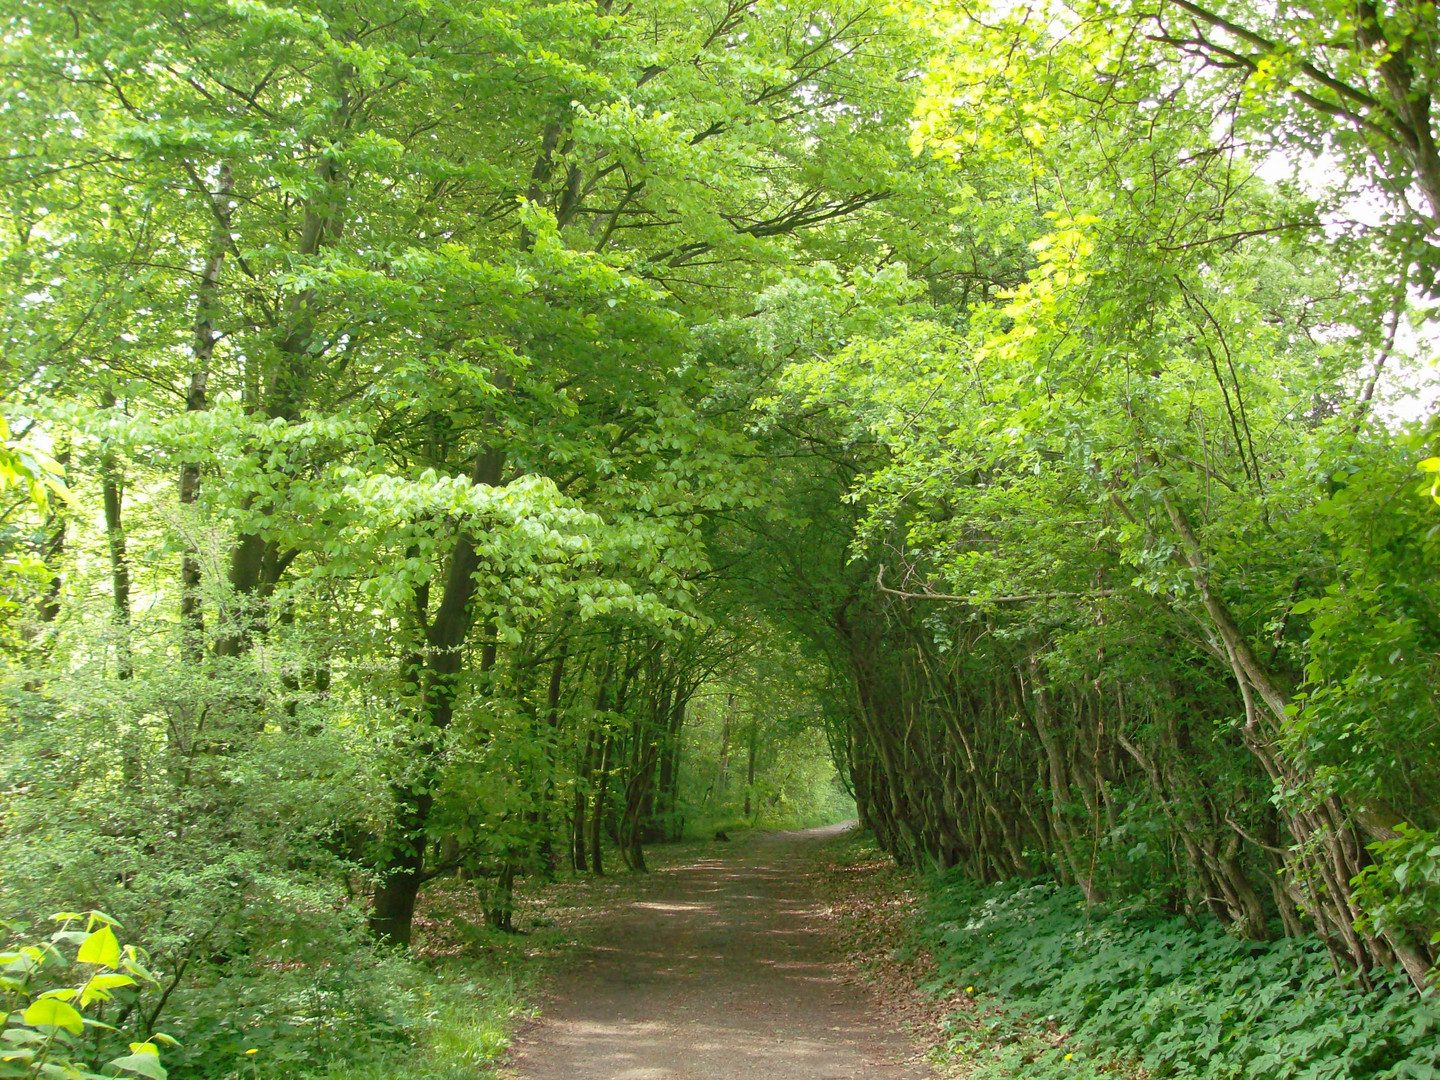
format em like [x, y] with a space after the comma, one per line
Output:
[1140, 588]
[396, 361]
[756, 748]
[415, 409]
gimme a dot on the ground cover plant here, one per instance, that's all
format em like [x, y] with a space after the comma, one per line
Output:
[1062, 988]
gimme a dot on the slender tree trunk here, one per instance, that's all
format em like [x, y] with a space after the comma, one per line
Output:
[1058, 782]
[579, 859]
[394, 901]
[256, 563]
[202, 352]
[1326, 842]
[668, 802]
[750, 766]
[725, 744]
[53, 551]
[112, 483]
[546, 813]
[437, 675]
[597, 817]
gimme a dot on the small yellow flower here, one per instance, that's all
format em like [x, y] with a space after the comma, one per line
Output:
[1069, 1056]
[248, 1053]
[969, 989]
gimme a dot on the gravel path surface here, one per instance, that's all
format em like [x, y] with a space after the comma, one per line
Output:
[716, 970]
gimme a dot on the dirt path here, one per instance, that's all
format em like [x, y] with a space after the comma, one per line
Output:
[716, 970]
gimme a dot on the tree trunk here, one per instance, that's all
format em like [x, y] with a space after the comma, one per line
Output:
[500, 898]
[668, 801]
[392, 907]
[1329, 854]
[437, 675]
[597, 817]
[546, 813]
[725, 744]
[579, 860]
[112, 484]
[750, 766]
[54, 548]
[202, 351]
[1058, 782]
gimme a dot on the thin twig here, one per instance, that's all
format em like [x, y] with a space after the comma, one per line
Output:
[977, 601]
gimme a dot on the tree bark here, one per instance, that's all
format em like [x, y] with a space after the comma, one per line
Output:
[436, 676]
[53, 550]
[202, 352]
[112, 484]
[1328, 854]
[597, 816]
[750, 766]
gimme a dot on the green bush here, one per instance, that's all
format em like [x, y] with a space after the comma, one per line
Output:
[63, 1010]
[1070, 990]
[76, 996]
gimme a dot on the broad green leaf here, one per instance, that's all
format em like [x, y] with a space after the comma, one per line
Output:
[102, 948]
[132, 964]
[98, 988]
[146, 1062]
[51, 1012]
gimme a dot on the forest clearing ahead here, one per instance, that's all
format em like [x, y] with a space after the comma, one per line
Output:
[458, 449]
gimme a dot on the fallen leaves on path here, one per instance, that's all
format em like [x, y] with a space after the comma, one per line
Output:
[873, 905]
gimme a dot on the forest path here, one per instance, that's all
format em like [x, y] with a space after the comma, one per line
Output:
[720, 969]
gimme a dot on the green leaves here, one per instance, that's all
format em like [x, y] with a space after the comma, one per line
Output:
[1432, 465]
[143, 1059]
[51, 1018]
[50, 1011]
[99, 987]
[510, 316]
[1180, 998]
[31, 470]
[101, 947]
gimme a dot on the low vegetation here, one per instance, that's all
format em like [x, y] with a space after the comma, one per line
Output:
[1061, 988]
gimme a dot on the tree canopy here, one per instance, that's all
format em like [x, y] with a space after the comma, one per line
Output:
[452, 440]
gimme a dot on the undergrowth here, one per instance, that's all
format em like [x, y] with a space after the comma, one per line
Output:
[445, 1011]
[456, 1028]
[1062, 990]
